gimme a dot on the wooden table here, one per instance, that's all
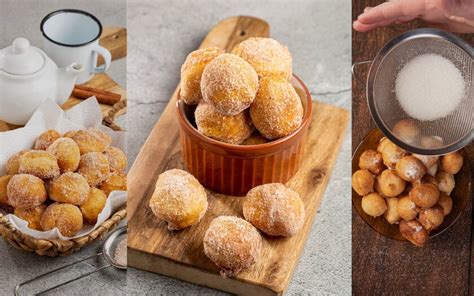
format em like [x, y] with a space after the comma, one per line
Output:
[384, 266]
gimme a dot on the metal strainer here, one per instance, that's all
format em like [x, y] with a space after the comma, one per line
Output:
[450, 133]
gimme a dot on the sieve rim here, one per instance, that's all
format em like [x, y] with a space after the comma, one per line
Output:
[374, 68]
[108, 243]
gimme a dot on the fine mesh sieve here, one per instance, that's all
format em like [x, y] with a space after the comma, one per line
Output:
[436, 137]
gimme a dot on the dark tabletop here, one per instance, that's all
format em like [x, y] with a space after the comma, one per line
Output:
[382, 266]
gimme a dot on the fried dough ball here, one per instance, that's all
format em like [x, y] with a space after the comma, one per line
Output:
[94, 166]
[427, 160]
[115, 181]
[374, 205]
[424, 195]
[391, 215]
[117, 159]
[93, 205]
[391, 184]
[391, 153]
[433, 170]
[255, 139]
[45, 139]
[66, 217]
[178, 199]
[67, 153]
[371, 160]
[69, 134]
[69, 188]
[410, 168]
[39, 163]
[274, 209]
[26, 191]
[363, 182]
[13, 163]
[277, 109]
[31, 215]
[446, 182]
[231, 129]
[233, 244]
[452, 163]
[414, 232]
[431, 142]
[406, 208]
[3, 190]
[91, 140]
[191, 72]
[377, 187]
[406, 130]
[431, 218]
[446, 202]
[429, 179]
[229, 83]
[267, 56]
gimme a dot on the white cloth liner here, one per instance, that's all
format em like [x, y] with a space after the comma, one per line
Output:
[50, 116]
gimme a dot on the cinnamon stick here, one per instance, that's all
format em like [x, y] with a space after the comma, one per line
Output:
[103, 96]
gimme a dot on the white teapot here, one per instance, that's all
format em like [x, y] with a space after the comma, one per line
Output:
[28, 77]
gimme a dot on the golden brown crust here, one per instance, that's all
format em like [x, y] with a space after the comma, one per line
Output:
[39, 163]
[274, 209]
[91, 140]
[46, 139]
[410, 168]
[452, 163]
[446, 182]
[117, 159]
[66, 217]
[69, 188]
[26, 191]
[31, 215]
[178, 199]
[229, 83]
[406, 208]
[277, 110]
[232, 244]
[414, 232]
[94, 167]
[115, 181]
[267, 56]
[391, 214]
[363, 182]
[93, 205]
[407, 130]
[431, 218]
[374, 205]
[391, 184]
[255, 139]
[191, 73]
[67, 153]
[372, 161]
[231, 129]
[424, 195]
[446, 202]
[13, 163]
[3, 190]
[391, 153]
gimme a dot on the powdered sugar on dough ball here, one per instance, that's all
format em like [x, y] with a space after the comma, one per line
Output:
[277, 110]
[191, 73]
[26, 191]
[39, 163]
[115, 181]
[94, 166]
[267, 56]
[229, 83]
[3, 190]
[233, 244]
[67, 153]
[178, 199]
[231, 129]
[91, 140]
[66, 217]
[46, 139]
[117, 159]
[69, 188]
[13, 163]
[274, 209]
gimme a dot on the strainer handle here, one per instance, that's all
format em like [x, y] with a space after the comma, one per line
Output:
[358, 64]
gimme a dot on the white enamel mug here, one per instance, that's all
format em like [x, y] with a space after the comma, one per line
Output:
[72, 36]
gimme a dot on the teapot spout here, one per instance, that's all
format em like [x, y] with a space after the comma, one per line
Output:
[66, 79]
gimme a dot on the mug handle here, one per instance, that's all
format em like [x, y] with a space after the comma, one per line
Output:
[105, 53]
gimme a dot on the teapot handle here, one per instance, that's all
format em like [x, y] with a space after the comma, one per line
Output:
[105, 53]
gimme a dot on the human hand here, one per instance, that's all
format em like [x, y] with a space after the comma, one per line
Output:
[451, 15]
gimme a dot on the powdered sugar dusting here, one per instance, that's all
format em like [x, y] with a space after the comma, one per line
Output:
[26, 191]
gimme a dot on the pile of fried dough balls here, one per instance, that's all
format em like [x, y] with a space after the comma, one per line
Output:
[239, 91]
[64, 181]
[407, 189]
[232, 243]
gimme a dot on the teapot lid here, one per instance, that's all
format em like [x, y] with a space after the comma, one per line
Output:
[21, 58]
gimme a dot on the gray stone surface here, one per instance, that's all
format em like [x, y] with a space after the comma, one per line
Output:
[318, 33]
[22, 18]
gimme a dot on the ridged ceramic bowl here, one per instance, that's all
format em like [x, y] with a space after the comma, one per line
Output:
[235, 169]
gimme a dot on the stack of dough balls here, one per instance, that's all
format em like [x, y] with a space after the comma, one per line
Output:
[232, 243]
[411, 190]
[64, 181]
[241, 91]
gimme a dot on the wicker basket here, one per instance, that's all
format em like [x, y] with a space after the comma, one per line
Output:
[57, 247]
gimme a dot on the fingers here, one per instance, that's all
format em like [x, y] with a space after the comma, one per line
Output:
[382, 12]
[361, 27]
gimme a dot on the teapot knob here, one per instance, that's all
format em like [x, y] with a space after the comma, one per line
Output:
[20, 45]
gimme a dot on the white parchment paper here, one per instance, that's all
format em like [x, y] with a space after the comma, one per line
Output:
[50, 116]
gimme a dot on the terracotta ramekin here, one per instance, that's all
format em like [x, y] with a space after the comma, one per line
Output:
[235, 169]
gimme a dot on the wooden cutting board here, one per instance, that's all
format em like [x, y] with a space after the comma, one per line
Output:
[115, 40]
[180, 254]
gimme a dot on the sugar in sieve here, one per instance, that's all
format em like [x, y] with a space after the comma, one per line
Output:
[449, 133]
[108, 252]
